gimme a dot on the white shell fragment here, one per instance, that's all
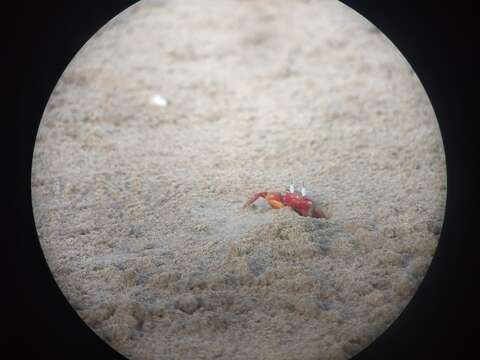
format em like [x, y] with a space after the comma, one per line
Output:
[159, 100]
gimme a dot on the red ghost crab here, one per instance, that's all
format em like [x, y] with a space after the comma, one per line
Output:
[296, 200]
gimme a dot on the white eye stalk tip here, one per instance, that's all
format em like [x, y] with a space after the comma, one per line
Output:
[291, 188]
[304, 191]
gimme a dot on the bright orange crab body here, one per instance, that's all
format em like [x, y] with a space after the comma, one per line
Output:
[297, 201]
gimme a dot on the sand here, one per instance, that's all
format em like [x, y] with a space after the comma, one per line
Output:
[176, 112]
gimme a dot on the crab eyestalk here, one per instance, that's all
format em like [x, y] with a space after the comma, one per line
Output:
[304, 191]
[291, 188]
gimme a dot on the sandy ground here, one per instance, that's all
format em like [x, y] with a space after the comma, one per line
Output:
[139, 206]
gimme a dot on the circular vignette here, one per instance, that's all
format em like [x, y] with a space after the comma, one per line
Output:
[158, 131]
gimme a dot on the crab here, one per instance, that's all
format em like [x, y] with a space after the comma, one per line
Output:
[302, 204]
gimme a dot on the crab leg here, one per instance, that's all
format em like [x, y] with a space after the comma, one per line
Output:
[255, 197]
[319, 214]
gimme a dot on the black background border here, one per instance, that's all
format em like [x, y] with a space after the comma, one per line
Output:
[40, 39]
